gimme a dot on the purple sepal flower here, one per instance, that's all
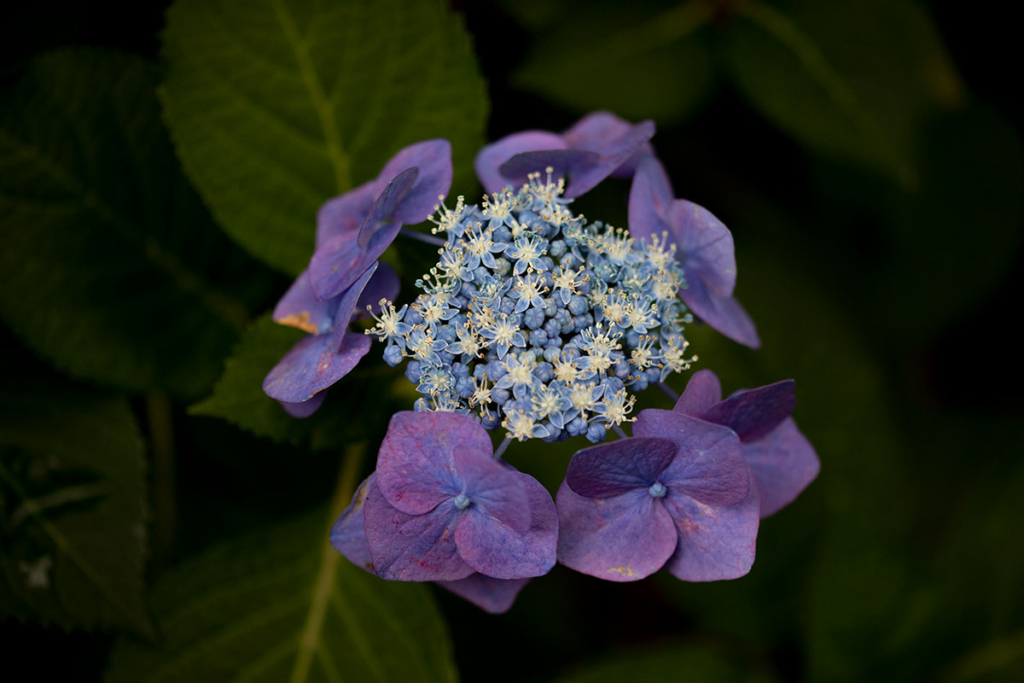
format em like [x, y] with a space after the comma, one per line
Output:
[598, 145]
[318, 361]
[704, 246]
[442, 508]
[677, 495]
[352, 234]
[467, 542]
[348, 536]
[781, 458]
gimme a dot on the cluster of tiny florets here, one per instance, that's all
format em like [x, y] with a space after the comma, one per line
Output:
[535, 320]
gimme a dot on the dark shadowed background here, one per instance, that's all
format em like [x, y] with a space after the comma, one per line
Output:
[160, 523]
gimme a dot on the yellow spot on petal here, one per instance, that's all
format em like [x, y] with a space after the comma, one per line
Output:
[622, 571]
[300, 321]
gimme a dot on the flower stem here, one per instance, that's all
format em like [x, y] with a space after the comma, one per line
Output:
[429, 239]
[501, 449]
[312, 632]
[669, 391]
[618, 430]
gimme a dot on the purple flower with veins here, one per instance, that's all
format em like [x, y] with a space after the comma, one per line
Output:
[353, 231]
[781, 458]
[344, 276]
[597, 146]
[440, 508]
[677, 495]
[703, 245]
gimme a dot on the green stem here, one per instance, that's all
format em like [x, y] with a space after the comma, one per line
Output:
[309, 641]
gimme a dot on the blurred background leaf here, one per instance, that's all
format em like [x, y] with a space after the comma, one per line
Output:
[849, 79]
[277, 106]
[72, 506]
[283, 605]
[110, 269]
[637, 59]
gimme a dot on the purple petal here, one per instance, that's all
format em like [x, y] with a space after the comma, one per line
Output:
[412, 547]
[702, 392]
[723, 314]
[311, 367]
[709, 465]
[433, 158]
[416, 467]
[348, 535]
[384, 207]
[491, 595]
[336, 264]
[306, 408]
[783, 463]
[715, 543]
[491, 157]
[300, 308]
[753, 413]
[614, 153]
[650, 199]
[705, 247]
[496, 550]
[346, 213]
[623, 538]
[494, 489]
[614, 468]
[347, 306]
[383, 285]
[562, 162]
[592, 129]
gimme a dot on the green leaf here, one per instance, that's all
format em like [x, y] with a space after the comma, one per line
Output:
[356, 406]
[851, 80]
[278, 105]
[669, 662]
[283, 605]
[238, 395]
[72, 531]
[640, 61]
[107, 255]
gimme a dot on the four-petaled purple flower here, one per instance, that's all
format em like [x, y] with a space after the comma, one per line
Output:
[677, 495]
[781, 458]
[597, 146]
[703, 245]
[344, 276]
[440, 508]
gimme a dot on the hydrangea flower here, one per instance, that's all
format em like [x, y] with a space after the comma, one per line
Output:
[702, 244]
[781, 458]
[678, 495]
[441, 508]
[344, 278]
[598, 145]
[536, 321]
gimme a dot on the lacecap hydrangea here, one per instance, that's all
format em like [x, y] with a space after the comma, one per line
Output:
[537, 321]
[543, 325]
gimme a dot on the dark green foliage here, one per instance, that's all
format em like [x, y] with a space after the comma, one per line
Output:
[72, 507]
[282, 605]
[279, 105]
[111, 268]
